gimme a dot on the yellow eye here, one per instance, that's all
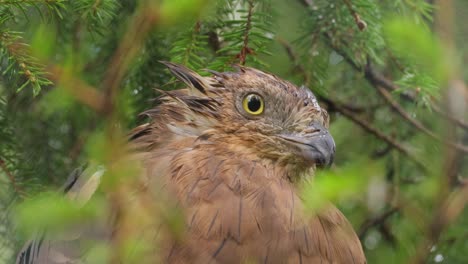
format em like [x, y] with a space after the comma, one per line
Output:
[253, 104]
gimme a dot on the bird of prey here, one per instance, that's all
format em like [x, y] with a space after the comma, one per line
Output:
[232, 150]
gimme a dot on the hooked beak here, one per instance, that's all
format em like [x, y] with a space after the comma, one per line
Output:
[315, 145]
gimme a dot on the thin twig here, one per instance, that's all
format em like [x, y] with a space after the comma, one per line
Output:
[377, 79]
[245, 47]
[193, 39]
[376, 221]
[297, 66]
[418, 125]
[373, 130]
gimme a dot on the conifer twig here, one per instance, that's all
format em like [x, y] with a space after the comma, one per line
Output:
[248, 26]
[12, 180]
[19, 54]
[418, 125]
[378, 81]
[189, 49]
[376, 78]
[361, 24]
[373, 130]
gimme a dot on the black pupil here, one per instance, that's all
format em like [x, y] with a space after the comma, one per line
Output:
[254, 103]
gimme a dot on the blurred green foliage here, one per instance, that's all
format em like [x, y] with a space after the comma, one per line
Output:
[416, 44]
[46, 131]
[54, 212]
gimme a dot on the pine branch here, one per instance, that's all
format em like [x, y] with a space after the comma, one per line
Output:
[377, 79]
[244, 30]
[96, 14]
[361, 24]
[358, 120]
[190, 47]
[297, 66]
[373, 130]
[337, 20]
[415, 123]
[54, 6]
[20, 61]
[12, 179]
[248, 26]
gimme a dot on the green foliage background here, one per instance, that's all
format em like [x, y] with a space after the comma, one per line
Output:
[389, 178]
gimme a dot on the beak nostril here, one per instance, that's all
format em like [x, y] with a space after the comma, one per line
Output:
[311, 130]
[315, 128]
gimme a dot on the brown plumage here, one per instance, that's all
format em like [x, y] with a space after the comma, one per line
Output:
[234, 169]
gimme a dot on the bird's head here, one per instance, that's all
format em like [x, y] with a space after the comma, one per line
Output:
[254, 113]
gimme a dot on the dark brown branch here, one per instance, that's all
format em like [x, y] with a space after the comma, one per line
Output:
[386, 231]
[213, 41]
[376, 221]
[377, 79]
[308, 3]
